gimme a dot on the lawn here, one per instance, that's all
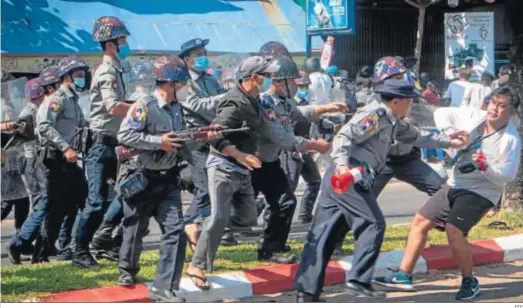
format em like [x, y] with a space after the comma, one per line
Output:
[26, 282]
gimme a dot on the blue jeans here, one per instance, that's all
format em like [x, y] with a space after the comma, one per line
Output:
[100, 166]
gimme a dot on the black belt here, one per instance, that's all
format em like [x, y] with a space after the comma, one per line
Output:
[105, 140]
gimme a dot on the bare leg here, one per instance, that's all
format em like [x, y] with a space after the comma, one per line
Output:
[193, 234]
[460, 249]
[416, 242]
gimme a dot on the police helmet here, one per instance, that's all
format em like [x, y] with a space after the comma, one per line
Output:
[49, 75]
[303, 80]
[274, 49]
[312, 65]
[108, 28]
[33, 89]
[286, 69]
[70, 64]
[387, 67]
[170, 68]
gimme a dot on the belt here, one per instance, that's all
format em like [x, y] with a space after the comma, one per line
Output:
[105, 140]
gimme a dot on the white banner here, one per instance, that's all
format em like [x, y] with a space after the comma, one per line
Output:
[469, 42]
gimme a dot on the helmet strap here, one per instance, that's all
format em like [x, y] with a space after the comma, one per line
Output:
[287, 89]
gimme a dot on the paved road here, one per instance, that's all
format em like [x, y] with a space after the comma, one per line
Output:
[499, 283]
[399, 202]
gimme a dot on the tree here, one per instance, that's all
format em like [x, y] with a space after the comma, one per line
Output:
[422, 6]
[513, 194]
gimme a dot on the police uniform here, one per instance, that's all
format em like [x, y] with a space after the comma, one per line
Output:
[364, 140]
[147, 120]
[57, 119]
[107, 90]
[200, 110]
[271, 179]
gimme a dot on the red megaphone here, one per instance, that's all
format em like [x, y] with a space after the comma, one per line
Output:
[340, 182]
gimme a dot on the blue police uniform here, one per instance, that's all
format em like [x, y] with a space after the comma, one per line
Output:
[364, 141]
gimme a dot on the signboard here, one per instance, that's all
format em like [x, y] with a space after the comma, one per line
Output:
[327, 52]
[331, 17]
[469, 42]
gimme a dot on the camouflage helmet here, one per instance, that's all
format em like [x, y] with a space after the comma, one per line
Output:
[33, 89]
[108, 28]
[228, 75]
[69, 64]
[274, 49]
[387, 67]
[170, 68]
[287, 69]
[48, 76]
[312, 65]
[303, 80]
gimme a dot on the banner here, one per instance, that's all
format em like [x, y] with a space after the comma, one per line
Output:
[331, 16]
[469, 42]
[327, 52]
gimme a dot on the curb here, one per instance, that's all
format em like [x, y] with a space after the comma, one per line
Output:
[280, 278]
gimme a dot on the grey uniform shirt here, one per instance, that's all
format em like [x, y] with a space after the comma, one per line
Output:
[369, 135]
[147, 120]
[57, 117]
[278, 132]
[204, 94]
[30, 146]
[107, 89]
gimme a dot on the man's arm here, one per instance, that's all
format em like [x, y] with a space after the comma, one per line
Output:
[116, 108]
[409, 134]
[228, 115]
[46, 128]
[507, 169]
[132, 128]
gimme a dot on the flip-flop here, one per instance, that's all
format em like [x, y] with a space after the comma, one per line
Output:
[205, 287]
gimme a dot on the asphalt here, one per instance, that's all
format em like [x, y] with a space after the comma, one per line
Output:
[398, 201]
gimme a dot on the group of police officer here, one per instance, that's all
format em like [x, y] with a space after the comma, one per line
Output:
[140, 145]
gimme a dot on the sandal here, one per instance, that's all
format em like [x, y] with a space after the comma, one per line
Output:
[206, 286]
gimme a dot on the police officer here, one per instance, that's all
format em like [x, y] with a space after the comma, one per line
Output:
[59, 119]
[33, 178]
[404, 160]
[279, 111]
[200, 107]
[108, 108]
[364, 141]
[148, 180]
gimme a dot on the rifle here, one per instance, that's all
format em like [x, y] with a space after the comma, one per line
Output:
[124, 153]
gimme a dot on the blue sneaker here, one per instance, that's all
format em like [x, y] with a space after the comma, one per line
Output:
[399, 280]
[469, 289]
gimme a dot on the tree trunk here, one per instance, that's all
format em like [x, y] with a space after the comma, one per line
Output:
[419, 38]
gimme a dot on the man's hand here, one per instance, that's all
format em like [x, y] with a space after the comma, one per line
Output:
[337, 107]
[214, 134]
[71, 155]
[248, 160]
[459, 140]
[480, 159]
[342, 169]
[319, 145]
[170, 143]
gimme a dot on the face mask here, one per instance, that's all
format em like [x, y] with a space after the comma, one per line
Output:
[79, 84]
[303, 93]
[201, 63]
[265, 85]
[123, 51]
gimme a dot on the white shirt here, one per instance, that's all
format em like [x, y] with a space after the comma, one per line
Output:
[502, 151]
[475, 95]
[456, 91]
[320, 88]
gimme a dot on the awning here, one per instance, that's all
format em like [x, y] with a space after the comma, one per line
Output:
[40, 27]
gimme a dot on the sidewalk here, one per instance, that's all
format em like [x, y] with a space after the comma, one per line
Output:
[280, 278]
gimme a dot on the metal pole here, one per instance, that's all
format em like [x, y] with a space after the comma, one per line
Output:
[308, 45]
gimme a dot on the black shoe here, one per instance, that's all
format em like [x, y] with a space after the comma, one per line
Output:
[276, 257]
[82, 258]
[102, 239]
[285, 249]
[356, 288]
[164, 296]
[64, 257]
[229, 240]
[13, 254]
[112, 255]
[126, 280]
[307, 298]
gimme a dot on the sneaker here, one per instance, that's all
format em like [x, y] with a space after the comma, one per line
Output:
[399, 280]
[469, 289]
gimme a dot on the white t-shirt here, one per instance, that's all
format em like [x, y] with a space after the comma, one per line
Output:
[456, 92]
[475, 95]
[320, 88]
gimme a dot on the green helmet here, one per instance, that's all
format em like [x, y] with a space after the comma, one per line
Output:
[287, 69]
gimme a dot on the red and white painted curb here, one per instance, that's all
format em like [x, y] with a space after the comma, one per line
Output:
[280, 278]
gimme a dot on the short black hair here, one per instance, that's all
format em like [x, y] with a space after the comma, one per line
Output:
[507, 92]
[504, 70]
[465, 73]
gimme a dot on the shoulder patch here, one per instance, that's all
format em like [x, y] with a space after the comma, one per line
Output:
[54, 106]
[138, 114]
[370, 122]
[266, 101]
[270, 115]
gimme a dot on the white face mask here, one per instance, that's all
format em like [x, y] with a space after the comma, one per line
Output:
[182, 94]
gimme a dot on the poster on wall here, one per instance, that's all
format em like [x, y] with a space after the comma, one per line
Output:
[331, 17]
[327, 52]
[469, 42]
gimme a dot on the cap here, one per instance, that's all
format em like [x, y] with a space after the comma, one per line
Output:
[396, 88]
[257, 65]
[192, 44]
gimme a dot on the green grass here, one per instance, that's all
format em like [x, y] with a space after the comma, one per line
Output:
[27, 282]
